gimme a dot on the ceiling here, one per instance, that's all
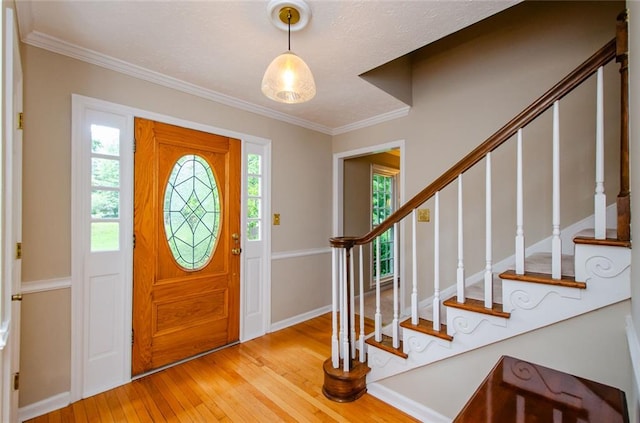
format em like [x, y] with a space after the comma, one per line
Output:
[219, 49]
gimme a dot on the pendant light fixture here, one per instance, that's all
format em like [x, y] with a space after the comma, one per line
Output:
[288, 79]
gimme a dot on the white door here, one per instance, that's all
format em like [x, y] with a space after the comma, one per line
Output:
[102, 241]
[256, 292]
[12, 218]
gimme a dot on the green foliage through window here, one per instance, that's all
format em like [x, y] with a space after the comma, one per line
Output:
[382, 207]
[254, 196]
[105, 188]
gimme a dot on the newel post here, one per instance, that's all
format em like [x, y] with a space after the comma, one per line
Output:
[344, 376]
[622, 57]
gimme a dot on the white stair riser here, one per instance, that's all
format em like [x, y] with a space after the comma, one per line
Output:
[605, 269]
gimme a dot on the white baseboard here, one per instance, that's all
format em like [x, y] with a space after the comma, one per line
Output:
[634, 351]
[407, 405]
[299, 318]
[45, 406]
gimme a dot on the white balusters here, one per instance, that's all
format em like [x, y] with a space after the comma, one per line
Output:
[341, 279]
[335, 282]
[600, 199]
[396, 266]
[460, 268]
[344, 315]
[361, 344]
[343, 338]
[436, 263]
[488, 272]
[556, 243]
[414, 261]
[352, 306]
[378, 316]
[519, 209]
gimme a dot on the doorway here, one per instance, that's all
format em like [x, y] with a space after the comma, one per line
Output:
[102, 240]
[186, 259]
[358, 207]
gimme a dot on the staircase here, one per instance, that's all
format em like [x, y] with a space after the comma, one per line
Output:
[575, 270]
[527, 302]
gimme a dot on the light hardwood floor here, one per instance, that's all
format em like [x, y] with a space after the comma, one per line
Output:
[277, 377]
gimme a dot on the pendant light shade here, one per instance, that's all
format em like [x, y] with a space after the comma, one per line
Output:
[288, 79]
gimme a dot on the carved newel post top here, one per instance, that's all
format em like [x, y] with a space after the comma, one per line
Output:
[343, 242]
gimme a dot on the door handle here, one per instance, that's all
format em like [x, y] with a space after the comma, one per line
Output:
[236, 251]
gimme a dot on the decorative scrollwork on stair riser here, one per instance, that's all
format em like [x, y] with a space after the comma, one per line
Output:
[463, 325]
[603, 267]
[379, 360]
[417, 344]
[527, 300]
[523, 300]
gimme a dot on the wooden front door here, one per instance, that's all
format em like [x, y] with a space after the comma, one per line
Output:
[186, 262]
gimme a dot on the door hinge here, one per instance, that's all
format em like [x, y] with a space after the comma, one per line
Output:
[134, 240]
[134, 145]
[16, 297]
[132, 337]
[20, 120]
[18, 250]
[16, 381]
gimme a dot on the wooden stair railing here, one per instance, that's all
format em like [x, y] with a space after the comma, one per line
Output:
[345, 374]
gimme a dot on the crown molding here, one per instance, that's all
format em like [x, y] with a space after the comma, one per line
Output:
[55, 45]
[44, 41]
[394, 114]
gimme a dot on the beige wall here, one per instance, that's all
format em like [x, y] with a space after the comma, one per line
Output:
[45, 325]
[291, 279]
[301, 167]
[592, 346]
[466, 87]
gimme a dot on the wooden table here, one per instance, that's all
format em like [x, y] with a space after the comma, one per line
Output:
[521, 392]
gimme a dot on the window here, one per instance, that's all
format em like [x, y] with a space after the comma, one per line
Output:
[383, 204]
[192, 212]
[105, 188]
[254, 197]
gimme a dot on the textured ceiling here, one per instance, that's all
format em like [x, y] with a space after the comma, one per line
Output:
[220, 49]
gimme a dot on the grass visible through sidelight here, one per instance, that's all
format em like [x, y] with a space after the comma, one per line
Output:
[105, 236]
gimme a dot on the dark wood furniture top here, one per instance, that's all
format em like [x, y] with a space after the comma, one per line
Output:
[519, 391]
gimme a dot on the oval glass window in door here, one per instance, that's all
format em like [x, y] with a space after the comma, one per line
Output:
[192, 212]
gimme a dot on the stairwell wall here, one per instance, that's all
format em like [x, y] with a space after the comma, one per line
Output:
[591, 346]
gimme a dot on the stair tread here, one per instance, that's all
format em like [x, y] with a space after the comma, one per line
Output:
[541, 263]
[471, 304]
[387, 345]
[543, 278]
[588, 237]
[426, 326]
